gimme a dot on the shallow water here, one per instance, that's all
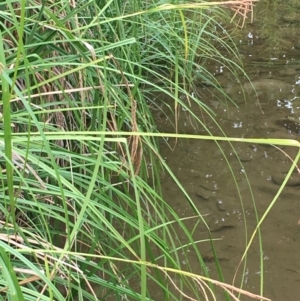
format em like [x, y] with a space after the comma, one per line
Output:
[270, 49]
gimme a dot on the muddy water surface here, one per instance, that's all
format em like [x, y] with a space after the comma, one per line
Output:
[270, 49]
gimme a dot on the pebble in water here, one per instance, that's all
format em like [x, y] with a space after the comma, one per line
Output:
[294, 180]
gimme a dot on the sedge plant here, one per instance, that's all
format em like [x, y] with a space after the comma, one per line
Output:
[82, 215]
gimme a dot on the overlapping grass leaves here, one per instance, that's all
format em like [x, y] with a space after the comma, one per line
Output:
[82, 215]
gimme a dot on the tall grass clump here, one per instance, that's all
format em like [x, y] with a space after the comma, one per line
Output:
[82, 216]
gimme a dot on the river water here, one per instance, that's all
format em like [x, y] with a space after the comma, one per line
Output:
[270, 51]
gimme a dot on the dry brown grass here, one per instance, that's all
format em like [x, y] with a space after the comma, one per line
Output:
[241, 8]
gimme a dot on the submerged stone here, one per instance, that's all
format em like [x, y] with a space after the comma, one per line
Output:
[268, 86]
[294, 180]
[204, 192]
[265, 89]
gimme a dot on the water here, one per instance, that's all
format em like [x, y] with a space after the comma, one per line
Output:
[270, 49]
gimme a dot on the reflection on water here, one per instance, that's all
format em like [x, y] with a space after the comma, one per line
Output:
[271, 52]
